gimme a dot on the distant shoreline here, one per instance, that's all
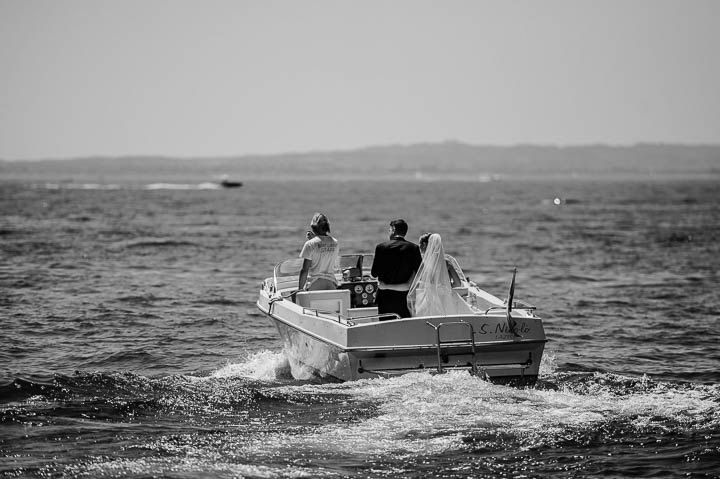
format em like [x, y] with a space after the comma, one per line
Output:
[405, 149]
[450, 161]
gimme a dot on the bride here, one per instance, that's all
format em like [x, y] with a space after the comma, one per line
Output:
[431, 293]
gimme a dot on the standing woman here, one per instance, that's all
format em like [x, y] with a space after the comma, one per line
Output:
[321, 257]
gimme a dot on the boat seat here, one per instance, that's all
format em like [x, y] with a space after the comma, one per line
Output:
[330, 300]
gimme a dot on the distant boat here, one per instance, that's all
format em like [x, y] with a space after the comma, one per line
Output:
[230, 184]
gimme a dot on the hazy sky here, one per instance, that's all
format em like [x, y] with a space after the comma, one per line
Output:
[211, 77]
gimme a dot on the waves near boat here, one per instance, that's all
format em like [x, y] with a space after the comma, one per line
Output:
[410, 417]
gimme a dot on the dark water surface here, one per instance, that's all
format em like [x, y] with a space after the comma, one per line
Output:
[131, 345]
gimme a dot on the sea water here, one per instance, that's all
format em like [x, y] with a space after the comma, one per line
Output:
[132, 347]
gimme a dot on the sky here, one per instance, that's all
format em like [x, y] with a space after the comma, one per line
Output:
[225, 78]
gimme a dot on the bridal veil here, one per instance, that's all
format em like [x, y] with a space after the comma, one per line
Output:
[431, 293]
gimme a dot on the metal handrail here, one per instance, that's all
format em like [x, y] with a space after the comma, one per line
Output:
[494, 308]
[439, 342]
[380, 315]
[318, 312]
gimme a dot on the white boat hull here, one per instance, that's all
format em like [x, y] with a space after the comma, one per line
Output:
[335, 348]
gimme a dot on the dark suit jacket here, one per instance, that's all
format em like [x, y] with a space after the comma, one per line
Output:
[395, 261]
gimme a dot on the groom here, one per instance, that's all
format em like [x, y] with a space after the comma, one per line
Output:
[395, 264]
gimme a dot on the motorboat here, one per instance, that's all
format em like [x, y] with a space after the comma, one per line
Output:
[338, 335]
[226, 183]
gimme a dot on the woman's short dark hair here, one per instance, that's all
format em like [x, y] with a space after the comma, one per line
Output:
[424, 241]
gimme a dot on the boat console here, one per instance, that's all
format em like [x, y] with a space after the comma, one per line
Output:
[356, 278]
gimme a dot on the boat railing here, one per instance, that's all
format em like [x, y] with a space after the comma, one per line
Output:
[350, 321]
[317, 312]
[371, 318]
[516, 306]
[495, 308]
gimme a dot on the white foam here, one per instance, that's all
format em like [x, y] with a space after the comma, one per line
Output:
[432, 414]
[264, 365]
[80, 186]
[209, 463]
[548, 364]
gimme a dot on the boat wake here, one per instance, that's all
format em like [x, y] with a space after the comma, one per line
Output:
[456, 413]
[456, 408]
[129, 186]
[247, 415]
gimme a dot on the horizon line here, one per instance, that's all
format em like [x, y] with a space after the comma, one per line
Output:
[378, 146]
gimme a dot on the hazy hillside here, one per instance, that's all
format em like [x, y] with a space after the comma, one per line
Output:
[449, 160]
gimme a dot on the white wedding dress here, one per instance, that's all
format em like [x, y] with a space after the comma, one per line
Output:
[431, 293]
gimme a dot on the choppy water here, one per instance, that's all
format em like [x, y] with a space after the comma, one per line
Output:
[131, 346]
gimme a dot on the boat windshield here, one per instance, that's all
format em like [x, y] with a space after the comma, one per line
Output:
[286, 273]
[367, 263]
[452, 264]
[289, 267]
[356, 264]
[349, 261]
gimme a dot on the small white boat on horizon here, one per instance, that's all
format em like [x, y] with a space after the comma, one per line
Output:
[338, 335]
